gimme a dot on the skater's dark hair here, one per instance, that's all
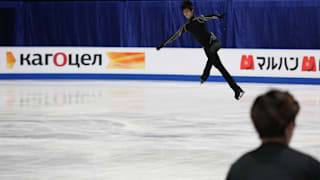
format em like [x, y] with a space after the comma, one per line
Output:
[186, 4]
[272, 112]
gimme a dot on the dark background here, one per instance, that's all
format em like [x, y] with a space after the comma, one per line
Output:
[248, 24]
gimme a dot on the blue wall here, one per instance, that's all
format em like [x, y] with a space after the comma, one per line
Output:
[248, 24]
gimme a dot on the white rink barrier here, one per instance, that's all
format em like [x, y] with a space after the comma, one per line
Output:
[185, 64]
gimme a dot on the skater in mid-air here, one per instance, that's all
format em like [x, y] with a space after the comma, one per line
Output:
[197, 27]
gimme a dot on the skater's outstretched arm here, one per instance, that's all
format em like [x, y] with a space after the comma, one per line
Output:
[213, 16]
[181, 30]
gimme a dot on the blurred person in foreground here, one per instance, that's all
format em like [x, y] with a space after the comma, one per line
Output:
[273, 115]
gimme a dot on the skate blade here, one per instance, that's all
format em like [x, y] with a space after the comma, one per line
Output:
[241, 94]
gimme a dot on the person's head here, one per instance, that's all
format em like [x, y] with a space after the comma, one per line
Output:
[187, 8]
[273, 115]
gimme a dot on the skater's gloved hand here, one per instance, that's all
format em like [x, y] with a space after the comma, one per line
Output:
[220, 16]
[159, 47]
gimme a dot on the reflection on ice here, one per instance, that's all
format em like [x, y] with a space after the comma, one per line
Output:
[134, 130]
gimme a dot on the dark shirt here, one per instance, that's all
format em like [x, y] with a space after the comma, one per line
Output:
[275, 161]
[197, 27]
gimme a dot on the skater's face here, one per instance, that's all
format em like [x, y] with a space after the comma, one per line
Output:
[188, 13]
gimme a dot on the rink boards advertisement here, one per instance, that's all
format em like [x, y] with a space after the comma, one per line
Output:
[186, 64]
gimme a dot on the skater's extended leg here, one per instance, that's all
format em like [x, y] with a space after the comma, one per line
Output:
[232, 83]
[206, 71]
[217, 64]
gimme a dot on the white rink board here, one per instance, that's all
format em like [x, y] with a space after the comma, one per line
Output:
[167, 61]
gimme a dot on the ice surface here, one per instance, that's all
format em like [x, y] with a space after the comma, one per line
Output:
[135, 130]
